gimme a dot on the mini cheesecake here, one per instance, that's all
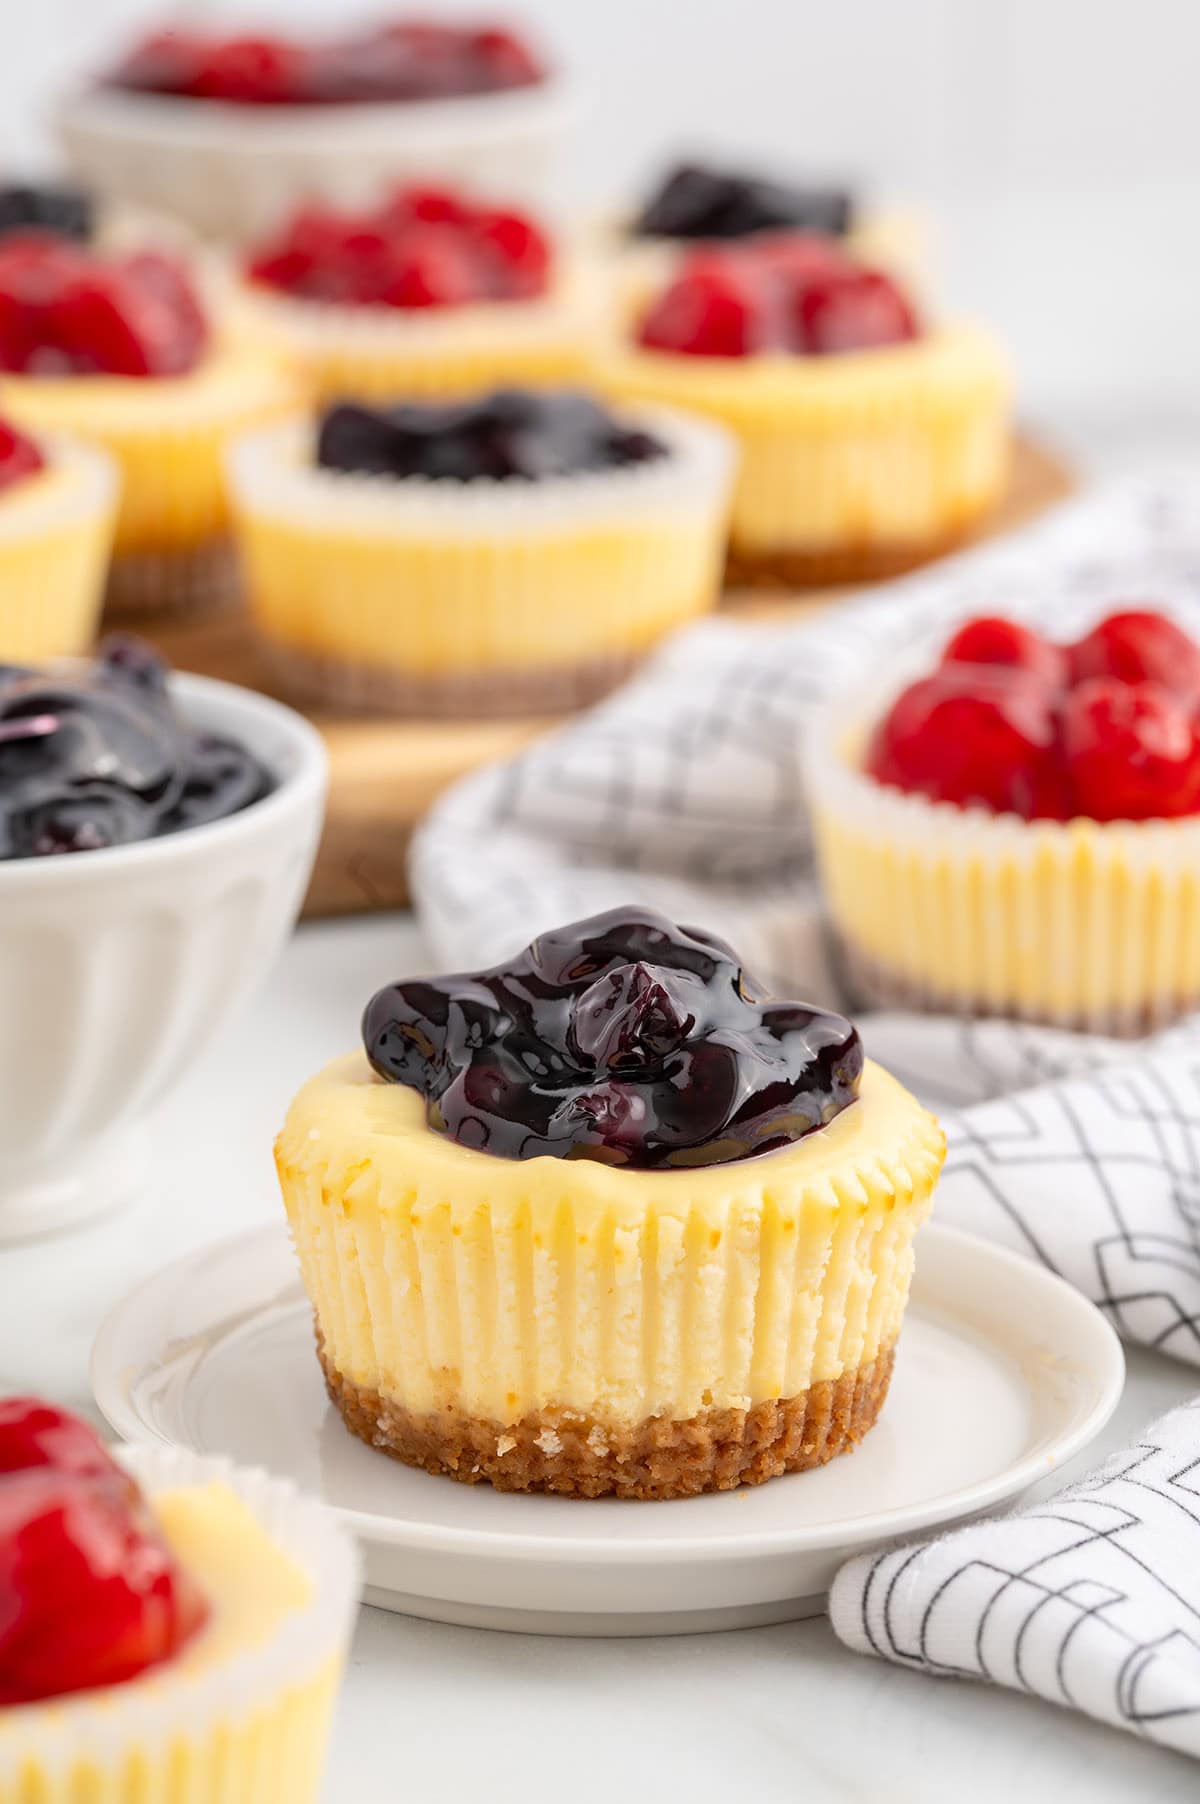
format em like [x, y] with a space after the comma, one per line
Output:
[1017, 831]
[516, 552]
[173, 1628]
[870, 440]
[117, 351]
[58, 503]
[608, 1219]
[428, 294]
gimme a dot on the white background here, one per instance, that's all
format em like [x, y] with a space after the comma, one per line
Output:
[1055, 143]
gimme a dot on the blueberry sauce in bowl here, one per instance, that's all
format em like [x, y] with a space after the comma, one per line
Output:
[623, 1039]
[518, 434]
[96, 755]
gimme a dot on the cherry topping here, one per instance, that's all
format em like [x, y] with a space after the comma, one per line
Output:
[511, 433]
[1138, 646]
[1108, 728]
[623, 1039]
[696, 201]
[65, 311]
[800, 294]
[408, 59]
[33, 1433]
[1132, 751]
[422, 247]
[19, 456]
[90, 1593]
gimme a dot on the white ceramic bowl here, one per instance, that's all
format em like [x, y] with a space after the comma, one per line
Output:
[235, 172]
[117, 966]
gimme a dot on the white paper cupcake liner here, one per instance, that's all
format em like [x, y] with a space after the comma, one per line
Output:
[70, 1740]
[1083, 924]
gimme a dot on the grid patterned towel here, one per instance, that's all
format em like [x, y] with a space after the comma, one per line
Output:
[1091, 1599]
[684, 791]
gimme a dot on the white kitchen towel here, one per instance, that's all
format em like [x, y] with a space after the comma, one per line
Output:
[1090, 1599]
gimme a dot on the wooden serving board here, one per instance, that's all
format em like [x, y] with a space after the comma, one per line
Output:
[386, 772]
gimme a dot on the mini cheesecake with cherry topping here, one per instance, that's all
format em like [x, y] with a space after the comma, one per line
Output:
[429, 293]
[118, 351]
[58, 505]
[1017, 831]
[607, 1219]
[230, 132]
[517, 550]
[871, 438]
[170, 1627]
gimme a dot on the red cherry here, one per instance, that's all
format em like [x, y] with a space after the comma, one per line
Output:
[64, 309]
[992, 640]
[430, 267]
[509, 61]
[1132, 751]
[90, 1594]
[712, 309]
[19, 458]
[165, 62]
[427, 206]
[852, 310]
[258, 71]
[520, 250]
[33, 1434]
[973, 736]
[1139, 645]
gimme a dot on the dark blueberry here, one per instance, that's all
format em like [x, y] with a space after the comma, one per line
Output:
[697, 201]
[99, 757]
[622, 1038]
[49, 207]
[512, 433]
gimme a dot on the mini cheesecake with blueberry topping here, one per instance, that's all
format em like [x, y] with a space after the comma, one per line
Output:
[871, 439]
[515, 551]
[118, 351]
[1017, 831]
[608, 1218]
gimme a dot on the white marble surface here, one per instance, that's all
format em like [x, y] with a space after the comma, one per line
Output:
[439, 1713]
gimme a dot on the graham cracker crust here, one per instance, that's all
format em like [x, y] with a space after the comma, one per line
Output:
[199, 579]
[870, 984]
[483, 694]
[574, 1456]
[794, 567]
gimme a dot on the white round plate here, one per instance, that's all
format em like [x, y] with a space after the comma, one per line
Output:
[1003, 1372]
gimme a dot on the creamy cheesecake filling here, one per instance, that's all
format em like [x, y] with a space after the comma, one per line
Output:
[447, 1279]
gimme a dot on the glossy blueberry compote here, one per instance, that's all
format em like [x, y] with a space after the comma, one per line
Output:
[695, 200]
[624, 1039]
[97, 755]
[46, 207]
[510, 433]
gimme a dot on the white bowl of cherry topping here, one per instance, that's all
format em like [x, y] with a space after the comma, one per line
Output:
[231, 133]
[156, 838]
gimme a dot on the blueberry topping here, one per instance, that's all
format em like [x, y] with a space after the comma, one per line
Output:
[623, 1039]
[695, 201]
[510, 433]
[99, 757]
[30, 207]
